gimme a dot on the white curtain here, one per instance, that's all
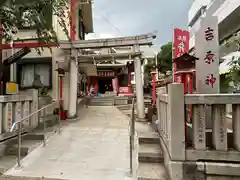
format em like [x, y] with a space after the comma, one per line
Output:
[114, 82]
[28, 72]
[44, 71]
[27, 75]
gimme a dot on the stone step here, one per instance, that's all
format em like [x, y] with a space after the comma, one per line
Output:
[102, 100]
[6, 163]
[150, 153]
[26, 147]
[148, 138]
[34, 136]
[8, 177]
[49, 120]
[101, 104]
[151, 171]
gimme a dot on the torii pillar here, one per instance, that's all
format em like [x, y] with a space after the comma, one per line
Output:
[73, 79]
[139, 85]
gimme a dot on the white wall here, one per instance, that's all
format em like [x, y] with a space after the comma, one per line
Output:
[56, 55]
[220, 8]
[197, 4]
[226, 8]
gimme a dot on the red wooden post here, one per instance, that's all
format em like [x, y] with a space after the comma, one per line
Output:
[154, 87]
[190, 91]
[129, 81]
[95, 85]
[89, 83]
[186, 83]
[61, 74]
[60, 90]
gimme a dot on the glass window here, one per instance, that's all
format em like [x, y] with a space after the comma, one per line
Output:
[28, 72]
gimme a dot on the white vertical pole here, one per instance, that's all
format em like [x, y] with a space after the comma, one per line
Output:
[73, 78]
[139, 86]
[12, 66]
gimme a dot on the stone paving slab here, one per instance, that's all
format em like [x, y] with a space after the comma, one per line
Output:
[95, 147]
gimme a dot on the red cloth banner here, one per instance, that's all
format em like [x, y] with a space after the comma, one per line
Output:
[180, 45]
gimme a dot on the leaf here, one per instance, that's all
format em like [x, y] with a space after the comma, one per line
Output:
[34, 13]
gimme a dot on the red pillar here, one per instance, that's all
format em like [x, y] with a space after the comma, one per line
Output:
[89, 83]
[95, 85]
[60, 90]
[117, 85]
[190, 91]
[154, 87]
[186, 87]
[129, 81]
[73, 19]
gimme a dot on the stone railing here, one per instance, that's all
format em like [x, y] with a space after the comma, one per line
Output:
[213, 150]
[15, 107]
[12, 108]
[224, 135]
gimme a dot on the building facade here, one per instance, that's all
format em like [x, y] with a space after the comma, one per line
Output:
[46, 63]
[227, 11]
[113, 76]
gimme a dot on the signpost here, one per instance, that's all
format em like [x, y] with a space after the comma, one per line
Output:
[207, 50]
[15, 57]
[12, 88]
[207, 67]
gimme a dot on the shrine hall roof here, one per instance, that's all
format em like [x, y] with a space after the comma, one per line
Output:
[185, 56]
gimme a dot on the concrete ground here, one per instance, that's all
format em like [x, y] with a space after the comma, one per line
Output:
[93, 148]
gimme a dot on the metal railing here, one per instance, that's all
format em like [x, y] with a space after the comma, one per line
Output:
[19, 128]
[132, 136]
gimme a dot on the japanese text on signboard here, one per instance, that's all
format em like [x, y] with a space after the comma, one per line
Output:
[180, 46]
[181, 42]
[207, 50]
[209, 57]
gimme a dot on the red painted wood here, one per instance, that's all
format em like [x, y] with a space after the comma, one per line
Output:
[27, 44]
[154, 88]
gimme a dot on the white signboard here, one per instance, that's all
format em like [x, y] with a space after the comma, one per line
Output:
[207, 50]
[6, 53]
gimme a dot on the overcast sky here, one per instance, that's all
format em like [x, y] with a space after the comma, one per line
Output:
[113, 18]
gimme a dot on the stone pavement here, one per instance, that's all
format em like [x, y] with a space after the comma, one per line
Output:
[95, 147]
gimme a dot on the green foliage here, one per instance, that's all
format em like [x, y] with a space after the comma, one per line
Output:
[164, 58]
[224, 83]
[234, 72]
[233, 40]
[16, 14]
[149, 66]
[164, 62]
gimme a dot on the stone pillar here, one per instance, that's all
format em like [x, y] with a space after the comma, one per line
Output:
[139, 86]
[34, 121]
[154, 94]
[73, 79]
[129, 81]
[176, 121]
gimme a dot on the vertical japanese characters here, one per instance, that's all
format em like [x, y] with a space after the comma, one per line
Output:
[209, 57]
[180, 46]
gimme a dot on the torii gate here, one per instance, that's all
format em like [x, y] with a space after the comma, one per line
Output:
[75, 48]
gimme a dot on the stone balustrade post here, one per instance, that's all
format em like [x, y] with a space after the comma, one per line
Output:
[176, 121]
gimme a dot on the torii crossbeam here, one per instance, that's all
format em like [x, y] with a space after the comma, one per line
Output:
[141, 40]
[105, 57]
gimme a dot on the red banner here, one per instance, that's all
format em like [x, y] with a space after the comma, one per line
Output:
[180, 46]
[180, 42]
